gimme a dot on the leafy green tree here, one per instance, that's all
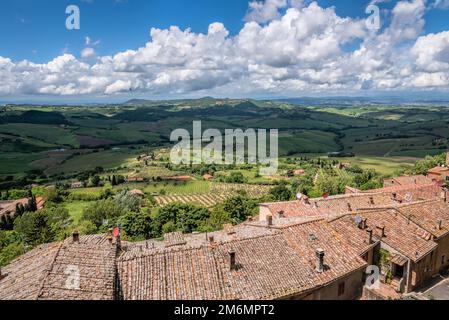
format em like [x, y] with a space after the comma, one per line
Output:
[106, 193]
[85, 227]
[128, 202]
[326, 184]
[302, 184]
[181, 217]
[95, 181]
[10, 252]
[236, 177]
[43, 226]
[217, 219]
[137, 226]
[31, 206]
[239, 208]
[101, 211]
[281, 192]
[423, 166]
[52, 194]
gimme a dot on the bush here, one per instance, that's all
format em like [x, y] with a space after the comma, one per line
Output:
[281, 193]
[128, 202]
[236, 177]
[10, 252]
[179, 217]
[102, 210]
[239, 208]
[52, 194]
[137, 226]
[43, 226]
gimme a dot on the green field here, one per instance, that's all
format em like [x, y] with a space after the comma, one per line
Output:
[76, 208]
[84, 136]
[177, 187]
[105, 159]
[385, 166]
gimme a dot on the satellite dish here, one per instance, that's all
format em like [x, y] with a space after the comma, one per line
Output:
[358, 219]
[299, 196]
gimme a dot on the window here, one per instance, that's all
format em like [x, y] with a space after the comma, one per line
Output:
[341, 289]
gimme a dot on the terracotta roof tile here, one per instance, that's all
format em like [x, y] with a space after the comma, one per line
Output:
[403, 235]
[42, 273]
[433, 215]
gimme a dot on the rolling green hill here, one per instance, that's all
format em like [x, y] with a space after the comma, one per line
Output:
[84, 135]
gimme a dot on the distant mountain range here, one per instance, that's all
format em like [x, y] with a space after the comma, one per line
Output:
[338, 101]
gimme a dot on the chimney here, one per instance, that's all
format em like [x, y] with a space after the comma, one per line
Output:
[306, 200]
[76, 237]
[371, 200]
[281, 214]
[211, 239]
[363, 224]
[349, 207]
[370, 236]
[118, 240]
[382, 231]
[320, 260]
[395, 196]
[232, 263]
[440, 224]
[269, 220]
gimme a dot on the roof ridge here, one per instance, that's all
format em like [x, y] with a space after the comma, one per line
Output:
[48, 272]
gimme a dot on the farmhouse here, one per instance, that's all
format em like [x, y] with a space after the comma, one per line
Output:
[299, 172]
[137, 193]
[8, 208]
[135, 179]
[407, 180]
[208, 177]
[76, 185]
[177, 178]
[440, 174]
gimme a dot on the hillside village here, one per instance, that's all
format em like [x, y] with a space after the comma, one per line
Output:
[306, 249]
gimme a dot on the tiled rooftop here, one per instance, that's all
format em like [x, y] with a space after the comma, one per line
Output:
[430, 215]
[271, 261]
[270, 264]
[402, 234]
[43, 272]
[409, 180]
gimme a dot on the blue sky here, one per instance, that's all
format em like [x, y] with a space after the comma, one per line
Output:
[34, 30]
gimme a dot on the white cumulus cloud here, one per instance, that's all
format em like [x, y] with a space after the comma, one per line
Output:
[286, 47]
